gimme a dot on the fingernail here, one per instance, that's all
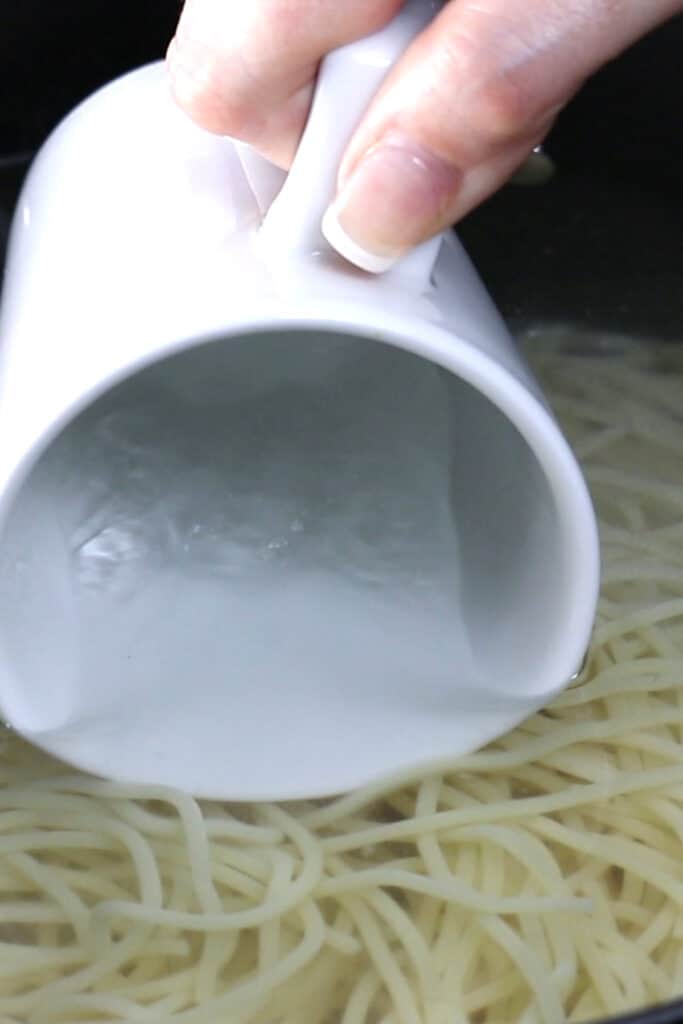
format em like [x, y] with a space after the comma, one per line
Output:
[397, 196]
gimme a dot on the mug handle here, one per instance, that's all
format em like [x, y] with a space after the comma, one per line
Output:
[293, 205]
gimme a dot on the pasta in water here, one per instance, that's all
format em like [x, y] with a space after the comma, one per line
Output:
[539, 880]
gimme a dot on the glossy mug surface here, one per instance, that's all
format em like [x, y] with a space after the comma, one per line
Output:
[270, 526]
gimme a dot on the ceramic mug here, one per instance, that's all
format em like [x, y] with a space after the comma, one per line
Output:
[270, 526]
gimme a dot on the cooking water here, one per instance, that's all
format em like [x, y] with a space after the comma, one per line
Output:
[286, 508]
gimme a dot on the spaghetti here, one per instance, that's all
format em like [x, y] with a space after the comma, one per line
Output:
[539, 880]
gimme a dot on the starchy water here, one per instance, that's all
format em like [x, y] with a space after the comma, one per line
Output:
[347, 474]
[222, 524]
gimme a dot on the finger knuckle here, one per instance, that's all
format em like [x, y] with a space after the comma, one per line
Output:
[378, 14]
[502, 108]
[198, 85]
[277, 23]
[494, 98]
[308, 28]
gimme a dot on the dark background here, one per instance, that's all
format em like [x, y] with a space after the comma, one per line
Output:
[600, 245]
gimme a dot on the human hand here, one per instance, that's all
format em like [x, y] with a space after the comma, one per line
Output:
[461, 110]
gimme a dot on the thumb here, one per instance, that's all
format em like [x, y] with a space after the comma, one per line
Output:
[472, 96]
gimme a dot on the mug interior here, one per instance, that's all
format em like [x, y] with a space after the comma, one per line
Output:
[299, 536]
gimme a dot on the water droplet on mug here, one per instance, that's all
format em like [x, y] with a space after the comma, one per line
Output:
[101, 561]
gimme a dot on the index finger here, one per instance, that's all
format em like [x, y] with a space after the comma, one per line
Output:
[246, 68]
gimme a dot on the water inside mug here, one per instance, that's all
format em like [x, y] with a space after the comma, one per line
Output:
[320, 515]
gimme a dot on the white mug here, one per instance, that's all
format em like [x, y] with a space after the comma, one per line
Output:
[270, 526]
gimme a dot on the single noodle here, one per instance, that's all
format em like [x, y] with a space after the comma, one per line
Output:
[539, 880]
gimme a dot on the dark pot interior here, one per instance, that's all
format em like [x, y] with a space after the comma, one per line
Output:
[598, 246]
